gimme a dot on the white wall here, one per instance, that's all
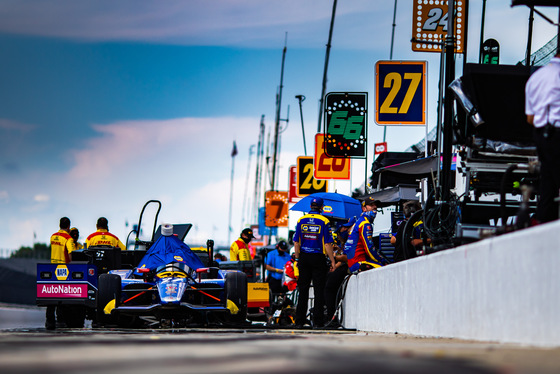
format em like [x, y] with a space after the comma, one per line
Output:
[504, 289]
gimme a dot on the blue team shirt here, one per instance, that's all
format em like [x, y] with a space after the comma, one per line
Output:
[312, 231]
[277, 261]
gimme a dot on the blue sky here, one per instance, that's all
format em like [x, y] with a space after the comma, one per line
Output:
[107, 104]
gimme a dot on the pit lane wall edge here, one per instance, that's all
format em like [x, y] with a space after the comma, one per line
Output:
[503, 289]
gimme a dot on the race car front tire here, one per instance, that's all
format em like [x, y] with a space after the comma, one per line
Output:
[109, 289]
[236, 291]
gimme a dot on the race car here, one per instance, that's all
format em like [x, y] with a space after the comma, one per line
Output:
[160, 281]
[171, 287]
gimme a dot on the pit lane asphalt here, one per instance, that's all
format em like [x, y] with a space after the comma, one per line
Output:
[258, 350]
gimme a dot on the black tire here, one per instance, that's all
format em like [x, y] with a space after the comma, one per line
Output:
[408, 233]
[109, 288]
[236, 291]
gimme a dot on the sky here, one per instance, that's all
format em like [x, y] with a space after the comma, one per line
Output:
[107, 104]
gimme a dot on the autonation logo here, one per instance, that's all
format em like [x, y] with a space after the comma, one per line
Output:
[61, 290]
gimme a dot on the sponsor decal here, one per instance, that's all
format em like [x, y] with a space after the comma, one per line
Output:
[91, 272]
[62, 290]
[61, 272]
[178, 258]
[260, 289]
[327, 209]
[311, 229]
[171, 289]
[103, 242]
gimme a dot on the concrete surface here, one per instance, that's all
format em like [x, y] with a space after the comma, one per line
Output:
[260, 351]
[502, 289]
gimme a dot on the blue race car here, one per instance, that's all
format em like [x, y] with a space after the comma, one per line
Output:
[171, 287]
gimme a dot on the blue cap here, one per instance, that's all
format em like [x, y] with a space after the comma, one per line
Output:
[317, 201]
[350, 222]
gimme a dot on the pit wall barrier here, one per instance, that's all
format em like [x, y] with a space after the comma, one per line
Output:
[503, 289]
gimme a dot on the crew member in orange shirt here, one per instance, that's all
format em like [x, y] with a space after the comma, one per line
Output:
[239, 250]
[62, 245]
[103, 237]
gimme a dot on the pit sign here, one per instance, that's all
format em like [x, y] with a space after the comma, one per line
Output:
[276, 209]
[429, 25]
[306, 183]
[400, 92]
[326, 167]
[380, 148]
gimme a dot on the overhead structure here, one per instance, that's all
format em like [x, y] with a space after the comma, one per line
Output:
[532, 4]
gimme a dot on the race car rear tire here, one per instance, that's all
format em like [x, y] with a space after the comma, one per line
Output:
[109, 288]
[236, 291]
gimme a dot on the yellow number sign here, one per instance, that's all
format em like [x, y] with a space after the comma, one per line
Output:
[400, 92]
[306, 183]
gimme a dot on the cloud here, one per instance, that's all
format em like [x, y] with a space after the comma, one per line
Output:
[193, 22]
[4, 196]
[10, 125]
[41, 198]
[168, 144]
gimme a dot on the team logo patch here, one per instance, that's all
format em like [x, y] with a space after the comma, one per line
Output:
[61, 272]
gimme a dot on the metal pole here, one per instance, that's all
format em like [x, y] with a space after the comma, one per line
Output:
[277, 124]
[258, 175]
[301, 99]
[393, 31]
[391, 55]
[324, 88]
[230, 197]
[246, 211]
[448, 102]
[529, 37]
[439, 131]
[465, 33]
[482, 31]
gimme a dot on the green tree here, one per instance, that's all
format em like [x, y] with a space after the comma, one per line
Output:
[39, 251]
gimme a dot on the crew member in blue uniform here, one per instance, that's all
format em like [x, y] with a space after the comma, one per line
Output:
[312, 240]
[275, 262]
[359, 248]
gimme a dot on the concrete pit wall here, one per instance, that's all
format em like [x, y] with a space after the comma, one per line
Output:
[504, 289]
